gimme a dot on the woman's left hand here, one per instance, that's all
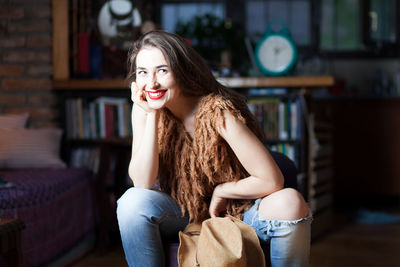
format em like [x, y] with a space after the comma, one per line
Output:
[217, 204]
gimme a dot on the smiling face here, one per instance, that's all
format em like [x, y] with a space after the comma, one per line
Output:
[154, 76]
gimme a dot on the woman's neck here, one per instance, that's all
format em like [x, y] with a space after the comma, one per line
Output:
[185, 109]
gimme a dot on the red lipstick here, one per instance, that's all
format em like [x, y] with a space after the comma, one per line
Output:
[156, 94]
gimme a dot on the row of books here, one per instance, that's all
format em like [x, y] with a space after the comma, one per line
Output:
[104, 117]
[89, 158]
[279, 118]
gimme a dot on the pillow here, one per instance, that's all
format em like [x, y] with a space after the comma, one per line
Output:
[13, 121]
[30, 148]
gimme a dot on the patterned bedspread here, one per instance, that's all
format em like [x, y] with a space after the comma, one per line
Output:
[56, 206]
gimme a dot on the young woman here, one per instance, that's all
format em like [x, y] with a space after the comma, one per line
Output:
[199, 140]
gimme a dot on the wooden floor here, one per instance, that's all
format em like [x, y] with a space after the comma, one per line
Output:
[358, 245]
[350, 244]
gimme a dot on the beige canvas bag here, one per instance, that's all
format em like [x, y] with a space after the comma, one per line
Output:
[220, 242]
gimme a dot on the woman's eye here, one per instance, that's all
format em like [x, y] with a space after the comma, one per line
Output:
[162, 70]
[141, 72]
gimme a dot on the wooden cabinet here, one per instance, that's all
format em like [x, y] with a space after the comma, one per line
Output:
[367, 148]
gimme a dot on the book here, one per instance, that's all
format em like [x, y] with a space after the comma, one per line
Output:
[68, 118]
[92, 120]
[294, 120]
[83, 52]
[79, 117]
[109, 121]
[267, 91]
[117, 120]
[85, 158]
[127, 120]
[104, 117]
[283, 134]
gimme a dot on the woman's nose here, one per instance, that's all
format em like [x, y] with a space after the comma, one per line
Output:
[153, 83]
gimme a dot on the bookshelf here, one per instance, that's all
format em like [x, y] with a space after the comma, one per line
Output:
[97, 136]
[280, 118]
[367, 148]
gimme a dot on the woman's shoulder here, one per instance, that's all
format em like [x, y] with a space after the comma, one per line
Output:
[214, 107]
[214, 101]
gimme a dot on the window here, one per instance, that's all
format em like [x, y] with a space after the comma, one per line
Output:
[359, 27]
[382, 17]
[295, 13]
[340, 27]
[172, 13]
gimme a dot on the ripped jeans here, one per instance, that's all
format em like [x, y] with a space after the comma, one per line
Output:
[147, 217]
[284, 242]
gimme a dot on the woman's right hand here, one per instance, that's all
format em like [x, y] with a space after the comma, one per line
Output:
[138, 97]
[143, 167]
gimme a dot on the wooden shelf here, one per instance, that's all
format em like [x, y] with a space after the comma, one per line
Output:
[290, 81]
[232, 82]
[90, 84]
[114, 141]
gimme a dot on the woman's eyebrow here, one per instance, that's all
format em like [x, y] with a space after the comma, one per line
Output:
[156, 67]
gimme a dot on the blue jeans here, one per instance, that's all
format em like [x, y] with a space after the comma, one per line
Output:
[147, 217]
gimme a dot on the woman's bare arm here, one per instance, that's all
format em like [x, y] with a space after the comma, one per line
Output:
[143, 167]
[265, 176]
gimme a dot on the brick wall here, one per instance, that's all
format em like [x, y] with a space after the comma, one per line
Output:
[26, 61]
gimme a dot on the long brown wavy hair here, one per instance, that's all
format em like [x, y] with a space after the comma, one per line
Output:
[190, 169]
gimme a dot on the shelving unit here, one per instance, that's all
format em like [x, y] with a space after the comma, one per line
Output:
[107, 157]
[320, 174]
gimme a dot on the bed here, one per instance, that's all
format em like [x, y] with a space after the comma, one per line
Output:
[57, 207]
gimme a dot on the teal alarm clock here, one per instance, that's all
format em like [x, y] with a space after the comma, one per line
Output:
[276, 53]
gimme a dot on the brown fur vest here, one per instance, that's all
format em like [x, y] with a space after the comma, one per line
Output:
[191, 168]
